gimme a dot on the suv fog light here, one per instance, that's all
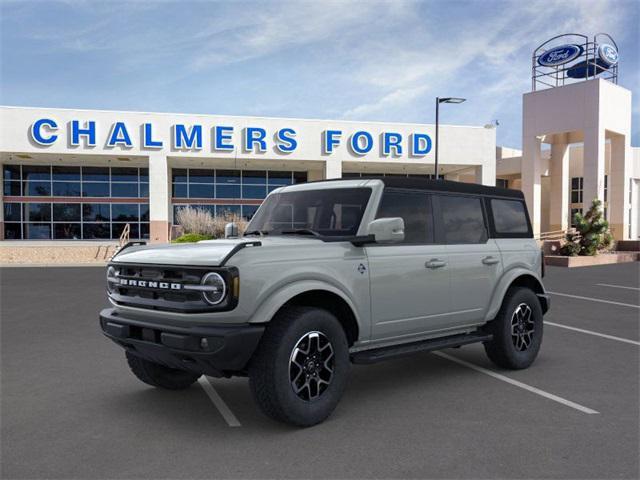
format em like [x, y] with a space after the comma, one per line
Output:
[216, 290]
[204, 344]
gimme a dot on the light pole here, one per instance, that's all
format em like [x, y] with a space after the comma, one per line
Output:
[438, 102]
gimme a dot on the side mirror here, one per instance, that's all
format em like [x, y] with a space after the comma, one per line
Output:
[387, 230]
[230, 230]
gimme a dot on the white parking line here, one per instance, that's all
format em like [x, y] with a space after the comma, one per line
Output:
[516, 383]
[610, 337]
[222, 407]
[595, 299]
[617, 286]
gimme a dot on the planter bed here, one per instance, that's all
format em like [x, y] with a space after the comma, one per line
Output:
[602, 259]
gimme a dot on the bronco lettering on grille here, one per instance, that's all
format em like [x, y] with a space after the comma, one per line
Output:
[149, 284]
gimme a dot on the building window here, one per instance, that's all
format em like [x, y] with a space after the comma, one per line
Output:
[502, 183]
[573, 212]
[576, 189]
[382, 175]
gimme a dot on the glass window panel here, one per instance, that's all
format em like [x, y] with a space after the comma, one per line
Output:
[124, 212]
[95, 189]
[12, 231]
[36, 172]
[66, 173]
[66, 212]
[228, 210]
[95, 174]
[227, 191]
[96, 212]
[124, 190]
[413, 208]
[280, 178]
[254, 177]
[144, 189]
[37, 189]
[176, 209]
[248, 211]
[144, 212]
[348, 175]
[271, 189]
[201, 176]
[67, 231]
[37, 212]
[462, 219]
[12, 188]
[124, 174]
[575, 197]
[144, 174]
[66, 189]
[509, 216]
[299, 177]
[201, 191]
[12, 212]
[117, 228]
[227, 176]
[95, 230]
[575, 183]
[179, 175]
[253, 191]
[11, 172]
[37, 231]
[206, 208]
[144, 230]
[179, 190]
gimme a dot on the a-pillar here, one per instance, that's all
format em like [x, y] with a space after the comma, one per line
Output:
[332, 168]
[159, 198]
[593, 166]
[618, 191]
[559, 169]
[531, 178]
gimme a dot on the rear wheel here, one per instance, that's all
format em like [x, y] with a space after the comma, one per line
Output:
[517, 330]
[300, 368]
[158, 375]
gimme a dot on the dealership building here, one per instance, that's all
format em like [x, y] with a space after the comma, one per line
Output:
[86, 174]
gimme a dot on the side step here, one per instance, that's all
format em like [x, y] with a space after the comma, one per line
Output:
[396, 351]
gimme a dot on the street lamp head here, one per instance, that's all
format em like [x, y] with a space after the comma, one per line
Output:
[451, 100]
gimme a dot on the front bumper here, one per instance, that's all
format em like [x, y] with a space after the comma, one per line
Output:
[216, 350]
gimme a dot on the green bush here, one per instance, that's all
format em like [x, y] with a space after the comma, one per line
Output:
[192, 238]
[592, 233]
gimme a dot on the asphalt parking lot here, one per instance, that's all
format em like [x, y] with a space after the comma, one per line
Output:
[71, 409]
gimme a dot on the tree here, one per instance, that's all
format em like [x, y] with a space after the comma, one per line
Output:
[592, 233]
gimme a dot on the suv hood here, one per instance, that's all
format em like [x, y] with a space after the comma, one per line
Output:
[206, 253]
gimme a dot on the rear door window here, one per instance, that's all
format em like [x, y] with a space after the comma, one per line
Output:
[462, 219]
[414, 208]
[509, 216]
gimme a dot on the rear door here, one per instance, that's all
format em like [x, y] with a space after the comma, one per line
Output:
[474, 258]
[409, 280]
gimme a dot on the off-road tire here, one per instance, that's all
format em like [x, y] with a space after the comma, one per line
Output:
[502, 350]
[269, 369]
[158, 375]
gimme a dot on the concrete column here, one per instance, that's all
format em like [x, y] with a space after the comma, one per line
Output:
[593, 166]
[333, 168]
[559, 201]
[618, 191]
[486, 174]
[531, 181]
[159, 198]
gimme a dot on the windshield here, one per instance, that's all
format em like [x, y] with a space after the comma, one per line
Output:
[326, 212]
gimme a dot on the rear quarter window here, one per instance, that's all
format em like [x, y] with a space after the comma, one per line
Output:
[509, 217]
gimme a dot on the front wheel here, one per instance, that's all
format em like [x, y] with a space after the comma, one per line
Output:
[300, 368]
[517, 330]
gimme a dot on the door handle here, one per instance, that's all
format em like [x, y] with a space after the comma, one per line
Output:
[435, 263]
[490, 260]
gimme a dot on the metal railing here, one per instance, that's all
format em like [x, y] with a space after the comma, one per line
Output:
[124, 236]
[554, 234]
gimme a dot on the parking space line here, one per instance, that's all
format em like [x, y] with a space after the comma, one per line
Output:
[518, 384]
[222, 407]
[595, 300]
[617, 286]
[610, 337]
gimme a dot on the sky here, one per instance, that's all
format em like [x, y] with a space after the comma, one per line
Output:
[362, 60]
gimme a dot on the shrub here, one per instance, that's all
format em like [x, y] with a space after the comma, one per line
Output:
[201, 222]
[592, 233]
[191, 238]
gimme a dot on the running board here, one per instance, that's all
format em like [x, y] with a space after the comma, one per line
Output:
[396, 351]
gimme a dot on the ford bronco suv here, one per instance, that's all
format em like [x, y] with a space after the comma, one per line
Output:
[327, 274]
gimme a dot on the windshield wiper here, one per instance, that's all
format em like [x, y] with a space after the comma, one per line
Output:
[301, 231]
[256, 232]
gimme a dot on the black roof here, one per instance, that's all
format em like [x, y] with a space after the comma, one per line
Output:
[417, 183]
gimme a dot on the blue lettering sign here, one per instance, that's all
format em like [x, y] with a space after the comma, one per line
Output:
[89, 131]
[357, 146]
[37, 134]
[391, 140]
[255, 136]
[119, 136]
[331, 140]
[221, 137]
[147, 138]
[286, 142]
[187, 139]
[421, 144]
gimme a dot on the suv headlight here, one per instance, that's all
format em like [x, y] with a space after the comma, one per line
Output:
[111, 278]
[216, 288]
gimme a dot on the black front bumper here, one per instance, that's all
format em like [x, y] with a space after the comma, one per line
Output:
[216, 350]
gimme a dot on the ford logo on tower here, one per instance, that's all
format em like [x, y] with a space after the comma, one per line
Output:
[608, 54]
[560, 55]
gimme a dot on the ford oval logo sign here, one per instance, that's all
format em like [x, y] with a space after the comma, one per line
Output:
[608, 54]
[560, 55]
